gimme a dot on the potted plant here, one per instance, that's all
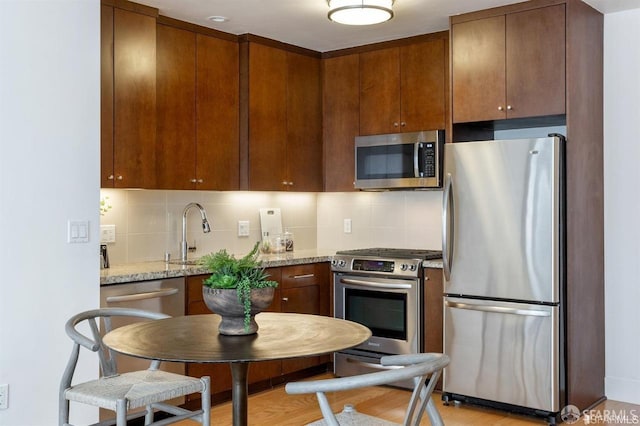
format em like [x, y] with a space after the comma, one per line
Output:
[237, 290]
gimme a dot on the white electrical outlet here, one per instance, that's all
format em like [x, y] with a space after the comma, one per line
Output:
[347, 226]
[107, 234]
[243, 228]
[4, 396]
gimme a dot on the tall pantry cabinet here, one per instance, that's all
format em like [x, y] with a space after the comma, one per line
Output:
[534, 65]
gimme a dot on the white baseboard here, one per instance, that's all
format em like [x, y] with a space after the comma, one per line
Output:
[622, 389]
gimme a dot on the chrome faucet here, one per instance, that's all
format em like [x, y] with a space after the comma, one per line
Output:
[184, 246]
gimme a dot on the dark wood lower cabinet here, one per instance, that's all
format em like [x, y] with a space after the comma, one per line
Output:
[433, 311]
[302, 289]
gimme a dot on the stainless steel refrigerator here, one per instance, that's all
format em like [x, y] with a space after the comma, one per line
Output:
[503, 255]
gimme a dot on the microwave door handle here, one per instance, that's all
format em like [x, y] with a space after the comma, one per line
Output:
[447, 227]
[416, 163]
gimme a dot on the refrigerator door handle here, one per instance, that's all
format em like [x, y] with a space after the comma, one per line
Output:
[447, 226]
[498, 309]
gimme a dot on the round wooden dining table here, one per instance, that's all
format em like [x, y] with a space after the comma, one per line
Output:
[195, 338]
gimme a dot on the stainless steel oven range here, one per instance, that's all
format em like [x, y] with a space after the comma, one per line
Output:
[382, 289]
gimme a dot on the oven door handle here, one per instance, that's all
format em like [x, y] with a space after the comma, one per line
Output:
[391, 286]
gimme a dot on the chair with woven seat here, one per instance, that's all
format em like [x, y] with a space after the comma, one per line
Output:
[149, 388]
[423, 369]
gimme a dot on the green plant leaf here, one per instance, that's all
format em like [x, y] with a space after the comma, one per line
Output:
[242, 274]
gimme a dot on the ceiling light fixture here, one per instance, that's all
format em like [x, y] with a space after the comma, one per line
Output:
[360, 12]
[218, 19]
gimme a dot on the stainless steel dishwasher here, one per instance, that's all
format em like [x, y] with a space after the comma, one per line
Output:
[166, 296]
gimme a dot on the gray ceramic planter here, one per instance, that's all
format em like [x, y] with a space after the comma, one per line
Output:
[225, 303]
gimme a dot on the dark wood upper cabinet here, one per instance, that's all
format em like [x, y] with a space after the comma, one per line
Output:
[284, 120]
[423, 85]
[402, 89]
[198, 102]
[509, 66]
[536, 62]
[304, 123]
[217, 114]
[267, 118]
[380, 92]
[176, 86]
[134, 101]
[341, 112]
[106, 97]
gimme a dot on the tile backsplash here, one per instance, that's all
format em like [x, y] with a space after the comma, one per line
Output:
[149, 222]
[396, 219]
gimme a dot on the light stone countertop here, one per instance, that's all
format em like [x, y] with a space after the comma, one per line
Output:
[435, 263]
[157, 270]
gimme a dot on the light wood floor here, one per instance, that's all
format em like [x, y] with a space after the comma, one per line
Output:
[275, 407]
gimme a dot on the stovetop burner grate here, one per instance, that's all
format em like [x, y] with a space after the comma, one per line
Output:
[394, 253]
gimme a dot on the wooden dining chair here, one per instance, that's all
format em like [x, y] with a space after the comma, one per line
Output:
[122, 392]
[424, 369]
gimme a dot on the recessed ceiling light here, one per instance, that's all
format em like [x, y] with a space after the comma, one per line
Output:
[218, 18]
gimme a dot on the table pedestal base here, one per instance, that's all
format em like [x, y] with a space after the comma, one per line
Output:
[239, 392]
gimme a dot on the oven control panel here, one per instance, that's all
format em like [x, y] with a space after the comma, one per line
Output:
[403, 267]
[372, 265]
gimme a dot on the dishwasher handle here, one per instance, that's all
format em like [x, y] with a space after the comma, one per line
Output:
[142, 296]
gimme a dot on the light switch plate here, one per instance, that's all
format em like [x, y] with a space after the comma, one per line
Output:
[243, 228]
[4, 396]
[77, 231]
[107, 234]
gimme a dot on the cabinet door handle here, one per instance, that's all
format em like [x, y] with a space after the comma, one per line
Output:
[200, 180]
[403, 124]
[395, 124]
[285, 299]
[120, 177]
[299, 277]
[110, 177]
[509, 107]
[500, 108]
[193, 180]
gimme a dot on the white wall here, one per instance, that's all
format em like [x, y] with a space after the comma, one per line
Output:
[622, 204]
[49, 163]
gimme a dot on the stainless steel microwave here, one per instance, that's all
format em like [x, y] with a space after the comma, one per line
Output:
[399, 161]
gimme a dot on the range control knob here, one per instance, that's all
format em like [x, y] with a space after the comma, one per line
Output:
[404, 267]
[413, 267]
[342, 263]
[334, 262]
